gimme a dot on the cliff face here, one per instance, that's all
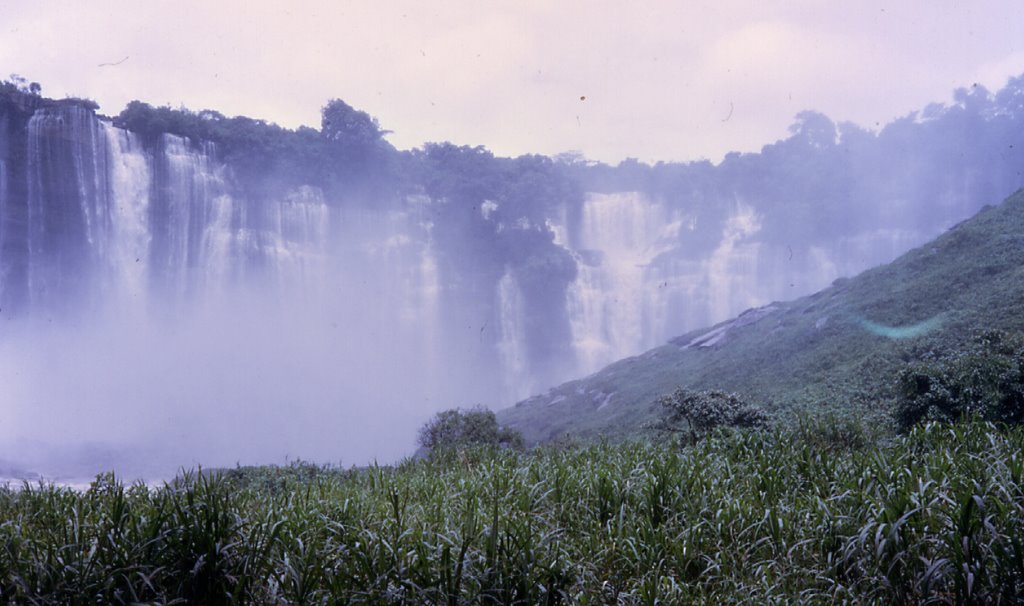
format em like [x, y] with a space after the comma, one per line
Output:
[525, 271]
[95, 219]
[255, 292]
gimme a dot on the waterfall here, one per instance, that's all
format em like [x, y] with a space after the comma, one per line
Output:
[128, 252]
[297, 237]
[309, 312]
[68, 206]
[733, 270]
[638, 284]
[102, 219]
[193, 218]
[613, 309]
[512, 343]
[422, 278]
[5, 221]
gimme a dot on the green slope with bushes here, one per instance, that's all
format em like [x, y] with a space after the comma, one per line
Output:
[837, 350]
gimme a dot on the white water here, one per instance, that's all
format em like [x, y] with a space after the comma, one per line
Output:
[53, 211]
[634, 290]
[220, 329]
[612, 305]
[128, 250]
[4, 213]
[199, 214]
[298, 234]
[512, 344]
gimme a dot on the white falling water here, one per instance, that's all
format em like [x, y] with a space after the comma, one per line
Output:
[128, 251]
[612, 308]
[733, 270]
[88, 159]
[199, 216]
[635, 288]
[217, 258]
[512, 344]
[69, 220]
[424, 282]
[4, 218]
[298, 233]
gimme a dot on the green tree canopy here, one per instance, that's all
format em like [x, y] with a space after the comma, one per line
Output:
[704, 411]
[986, 380]
[455, 428]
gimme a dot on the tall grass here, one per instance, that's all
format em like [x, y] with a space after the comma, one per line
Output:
[760, 518]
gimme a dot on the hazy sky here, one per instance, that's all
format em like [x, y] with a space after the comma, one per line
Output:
[654, 80]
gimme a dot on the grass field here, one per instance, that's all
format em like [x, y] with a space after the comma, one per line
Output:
[827, 513]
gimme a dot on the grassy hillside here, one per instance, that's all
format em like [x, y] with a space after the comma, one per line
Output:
[838, 349]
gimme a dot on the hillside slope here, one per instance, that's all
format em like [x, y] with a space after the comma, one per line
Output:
[838, 348]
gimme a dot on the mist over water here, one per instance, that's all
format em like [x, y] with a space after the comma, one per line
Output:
[242, 376]
[178, 324]
[233, 380]
[163, 304]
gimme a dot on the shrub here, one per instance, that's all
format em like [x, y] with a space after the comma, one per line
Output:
[475, 427]
[985, 380]
[704, 411]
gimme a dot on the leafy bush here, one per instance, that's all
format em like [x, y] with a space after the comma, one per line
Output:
[704, 411]
[475, 427]
[986, 380]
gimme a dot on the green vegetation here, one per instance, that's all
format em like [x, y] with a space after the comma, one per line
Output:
[820, 353]
[464, 429]
[811, 515]
[20, 85]
[704, 411]
[252, 147]
[985, 381]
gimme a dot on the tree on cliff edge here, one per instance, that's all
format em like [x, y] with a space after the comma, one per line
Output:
[355, 141]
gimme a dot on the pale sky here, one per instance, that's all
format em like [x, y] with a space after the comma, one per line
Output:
[652, 80]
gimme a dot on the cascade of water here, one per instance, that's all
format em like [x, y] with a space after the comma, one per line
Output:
[612, 308]
[421, 281]
[635, 286]
[733, 268]
[218, 260]
[128, 251]
[68, 205]
[383, 272]
[428, 290]
[196, 217]
[512, 344]
[294, 237]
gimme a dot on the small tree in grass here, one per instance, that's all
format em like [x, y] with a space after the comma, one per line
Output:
[698, 413]
[474, 427]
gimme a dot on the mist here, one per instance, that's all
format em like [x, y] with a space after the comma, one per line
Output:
[251, 375]
[182, 288]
